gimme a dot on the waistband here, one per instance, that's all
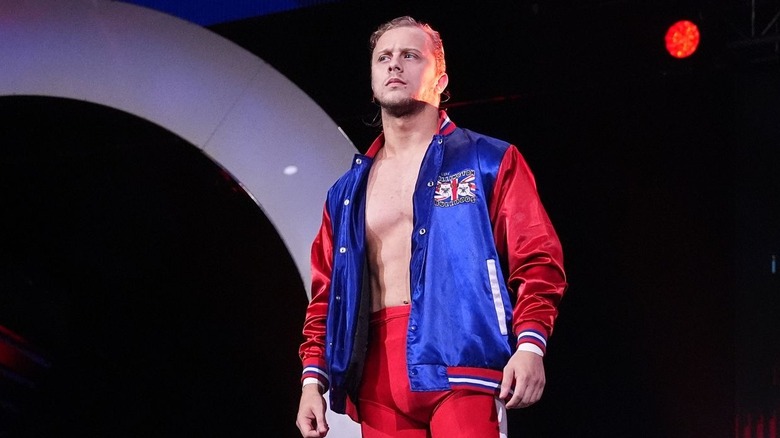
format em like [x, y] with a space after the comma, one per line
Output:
[389, 313]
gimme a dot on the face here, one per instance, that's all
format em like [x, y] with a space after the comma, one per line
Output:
[403, 71]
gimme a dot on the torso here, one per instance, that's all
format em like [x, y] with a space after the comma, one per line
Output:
[389, 222]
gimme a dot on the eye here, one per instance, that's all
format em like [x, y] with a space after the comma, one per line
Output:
[382, 58]
[410, 55]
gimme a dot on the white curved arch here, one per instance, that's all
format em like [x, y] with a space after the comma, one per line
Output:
[219, 97]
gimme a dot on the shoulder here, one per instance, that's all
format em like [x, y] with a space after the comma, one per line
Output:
[479, 140]
[484, 146]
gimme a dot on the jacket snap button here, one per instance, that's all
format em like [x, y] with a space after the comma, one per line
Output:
[342, 250]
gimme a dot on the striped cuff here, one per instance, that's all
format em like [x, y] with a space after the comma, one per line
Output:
[314, 372]
[534, 337]
[311, 381]
[527, 346]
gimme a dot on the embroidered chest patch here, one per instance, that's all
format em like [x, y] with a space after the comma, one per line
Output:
[456, 188]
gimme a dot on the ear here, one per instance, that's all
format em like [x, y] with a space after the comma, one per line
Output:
[442, 83]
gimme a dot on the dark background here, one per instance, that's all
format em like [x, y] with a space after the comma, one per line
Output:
[162, 303]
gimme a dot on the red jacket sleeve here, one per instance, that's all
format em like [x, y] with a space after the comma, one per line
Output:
[530, 248]
[312, 350]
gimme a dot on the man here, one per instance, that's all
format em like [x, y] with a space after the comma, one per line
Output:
[436, 273]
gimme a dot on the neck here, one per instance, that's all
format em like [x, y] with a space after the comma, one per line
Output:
[411, 131]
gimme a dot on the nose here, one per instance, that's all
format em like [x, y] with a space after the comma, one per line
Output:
[393, 66]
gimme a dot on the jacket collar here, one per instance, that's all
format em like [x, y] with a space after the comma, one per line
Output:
[446, 126]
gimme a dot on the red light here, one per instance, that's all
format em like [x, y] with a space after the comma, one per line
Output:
[682, 39]
[11, 356]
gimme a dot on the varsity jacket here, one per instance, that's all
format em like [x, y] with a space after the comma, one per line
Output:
[486, 271]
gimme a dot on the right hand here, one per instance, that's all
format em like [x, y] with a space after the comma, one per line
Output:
[311, 413]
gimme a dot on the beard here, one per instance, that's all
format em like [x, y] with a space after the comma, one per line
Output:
[401, 108]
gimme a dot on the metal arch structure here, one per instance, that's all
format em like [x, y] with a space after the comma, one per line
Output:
[243, 114]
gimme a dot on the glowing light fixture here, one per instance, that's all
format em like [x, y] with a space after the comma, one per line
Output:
[682, 39]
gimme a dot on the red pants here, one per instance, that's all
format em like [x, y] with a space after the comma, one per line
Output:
[388, 407]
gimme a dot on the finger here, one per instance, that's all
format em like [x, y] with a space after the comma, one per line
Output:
[322, 424]
[517, 397]
[312, 433]
[507, 380]
[537, 394]
[532, 394]
[524, 390]
[305, 427]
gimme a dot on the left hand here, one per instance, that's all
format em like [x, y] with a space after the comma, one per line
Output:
[524, 373]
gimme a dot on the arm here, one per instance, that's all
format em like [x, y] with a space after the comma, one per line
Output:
[532, 254]
[311, 410]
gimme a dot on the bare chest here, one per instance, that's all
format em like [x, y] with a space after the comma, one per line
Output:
[391, 186]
